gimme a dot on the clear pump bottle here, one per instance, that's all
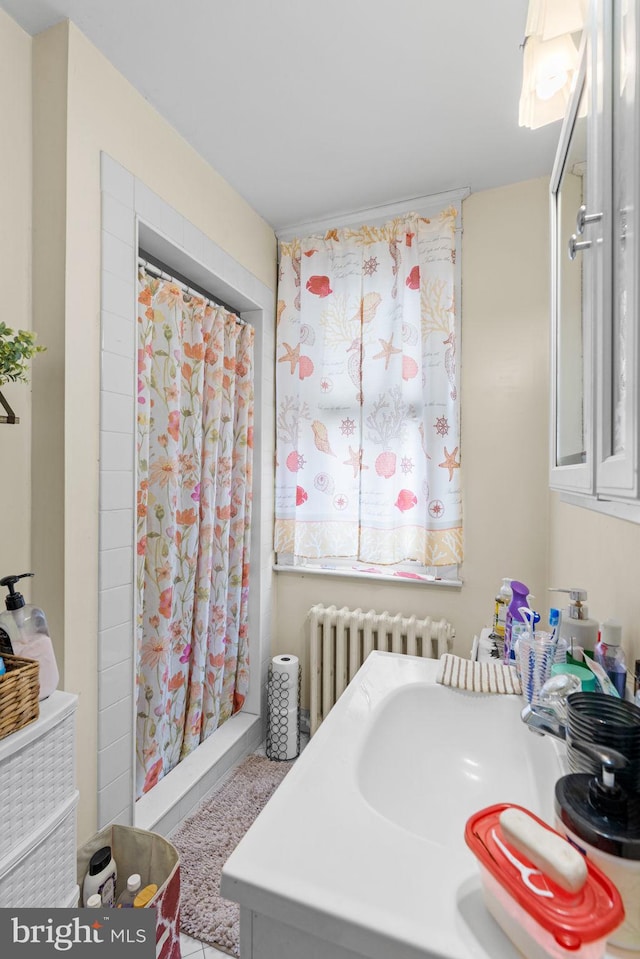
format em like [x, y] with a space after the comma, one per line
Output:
[579, 631]
[24, 632]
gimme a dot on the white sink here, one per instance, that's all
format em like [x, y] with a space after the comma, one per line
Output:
[432, 756]
[361, 851]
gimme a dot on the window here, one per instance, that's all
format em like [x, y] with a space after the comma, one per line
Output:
[367, 398]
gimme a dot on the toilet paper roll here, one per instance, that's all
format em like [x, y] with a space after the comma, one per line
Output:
[283, 733]
[285, 668]
[284, 713]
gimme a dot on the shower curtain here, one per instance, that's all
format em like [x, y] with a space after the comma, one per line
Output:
[194, 448]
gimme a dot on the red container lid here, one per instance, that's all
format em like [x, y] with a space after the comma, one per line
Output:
[571, 917]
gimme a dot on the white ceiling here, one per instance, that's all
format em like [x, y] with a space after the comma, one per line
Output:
[313, 109]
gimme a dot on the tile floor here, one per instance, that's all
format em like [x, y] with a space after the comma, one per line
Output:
[193, 948]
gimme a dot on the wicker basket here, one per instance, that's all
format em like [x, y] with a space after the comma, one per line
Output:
[19, 691]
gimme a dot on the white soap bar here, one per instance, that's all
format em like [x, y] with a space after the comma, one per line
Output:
[553, 855]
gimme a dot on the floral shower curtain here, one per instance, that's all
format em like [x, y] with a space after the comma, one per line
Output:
[368, 418]
[195, 437]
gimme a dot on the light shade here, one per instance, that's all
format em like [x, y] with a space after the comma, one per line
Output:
[547, 72]
[550, 59]
[547, 19]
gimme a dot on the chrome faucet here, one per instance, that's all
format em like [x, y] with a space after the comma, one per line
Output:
[543, 720]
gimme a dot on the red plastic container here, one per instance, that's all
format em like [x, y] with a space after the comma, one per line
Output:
[539, 917]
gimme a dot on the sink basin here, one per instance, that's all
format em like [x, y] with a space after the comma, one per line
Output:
[361, 851]
[432, 756]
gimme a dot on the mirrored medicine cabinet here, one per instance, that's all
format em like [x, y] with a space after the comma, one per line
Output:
[594, 272]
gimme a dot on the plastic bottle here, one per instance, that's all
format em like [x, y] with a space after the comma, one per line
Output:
[580, 632]
[503, 598]
[101, 877]
[145, 896]
[3, 668]
[127, 897]
[93, 902]
[23, 628]
[520, 592]
[610, 654]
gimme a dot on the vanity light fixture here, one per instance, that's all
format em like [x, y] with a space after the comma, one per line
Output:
[550, 59]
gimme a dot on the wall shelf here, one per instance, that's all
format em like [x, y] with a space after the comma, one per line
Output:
[8, 416]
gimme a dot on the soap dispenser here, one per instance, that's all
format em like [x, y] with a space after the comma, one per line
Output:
[23, 628]
[580, 632]
[602, 820]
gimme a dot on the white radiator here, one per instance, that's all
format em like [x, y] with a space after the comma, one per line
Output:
[341, 640]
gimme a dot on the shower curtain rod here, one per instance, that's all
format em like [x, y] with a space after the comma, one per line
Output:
[151, 267]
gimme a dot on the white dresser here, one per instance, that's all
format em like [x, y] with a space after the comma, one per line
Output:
[38, 799]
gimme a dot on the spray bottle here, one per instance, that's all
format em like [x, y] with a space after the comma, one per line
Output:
[520, 593]
[24, 632]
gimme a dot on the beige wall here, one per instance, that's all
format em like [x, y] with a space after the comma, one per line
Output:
[602, 555]
[15, 281]
[81, 106]
[505, 377]
[98, 110]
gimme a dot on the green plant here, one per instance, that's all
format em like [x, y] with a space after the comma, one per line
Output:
[16, 349]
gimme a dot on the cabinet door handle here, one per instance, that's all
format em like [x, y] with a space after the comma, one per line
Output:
[583, 218]
[576, 245]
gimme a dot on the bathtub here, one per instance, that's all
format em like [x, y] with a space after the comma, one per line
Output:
[361, 852]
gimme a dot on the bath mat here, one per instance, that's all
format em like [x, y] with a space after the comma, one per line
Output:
[477, 677]
[206, 840]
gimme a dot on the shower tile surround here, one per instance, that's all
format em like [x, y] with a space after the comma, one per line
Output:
[132, 216]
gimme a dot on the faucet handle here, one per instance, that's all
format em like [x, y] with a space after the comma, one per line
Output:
[543, 720]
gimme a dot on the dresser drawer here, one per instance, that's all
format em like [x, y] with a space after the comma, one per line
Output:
[42, 871]
[35, 781]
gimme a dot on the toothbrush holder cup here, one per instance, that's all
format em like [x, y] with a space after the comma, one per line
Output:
[535, 657]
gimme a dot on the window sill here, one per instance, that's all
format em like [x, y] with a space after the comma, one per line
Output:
[398, 578]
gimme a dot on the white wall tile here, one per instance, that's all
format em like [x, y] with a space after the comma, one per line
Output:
[168, 823]
[114, 799]
[117, 412]
[114, 722]
[211, 255]
[116, 181]
[193, 240]
[116, 452]
[116, 528]
[117, 374]
[115, 606]
[118, 296]
[117, 219]
[118, 334]
[114, 761]
[125, 818]
[116, 489]
[115, 685]
[172, 224]
[115, 567]
[118, 257]
[115, 645]
[148, 204]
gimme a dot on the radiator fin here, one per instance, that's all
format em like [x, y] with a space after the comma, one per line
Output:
[341, 639]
